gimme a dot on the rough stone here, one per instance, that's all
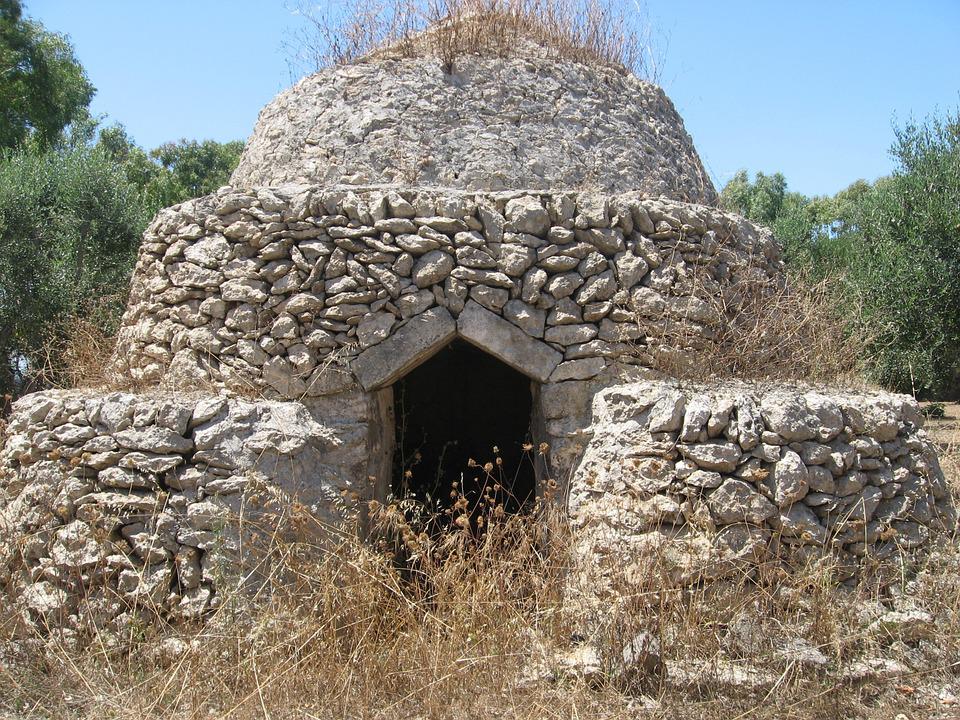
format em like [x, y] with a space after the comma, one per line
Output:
[507, 342]
[528, 318]
[713, 455]
[432, 268]
[401, 107]
[415, 341]
[789, 480]
[735, 501]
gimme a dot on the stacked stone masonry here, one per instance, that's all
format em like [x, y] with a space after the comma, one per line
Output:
[133, 503]
[492, 124]
[745, 473]
[547, 212]
[272, 290]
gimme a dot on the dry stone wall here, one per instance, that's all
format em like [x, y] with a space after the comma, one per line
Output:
[281, 290]
[494, 124]
[337, 264]
[133, 504]
[733, 474]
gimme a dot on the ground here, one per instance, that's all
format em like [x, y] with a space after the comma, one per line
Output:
[945, 432]
[485, 635]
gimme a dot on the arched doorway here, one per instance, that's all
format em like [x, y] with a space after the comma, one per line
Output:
[463, 434]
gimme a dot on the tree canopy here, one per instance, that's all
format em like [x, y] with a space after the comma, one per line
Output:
[74, 197]
[43, 88]
[70, 224]
[893, 248]
[175, 170]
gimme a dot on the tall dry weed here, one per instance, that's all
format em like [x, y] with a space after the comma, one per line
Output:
[585, 31]
[484, 627]
[77, 353]
[761, 329]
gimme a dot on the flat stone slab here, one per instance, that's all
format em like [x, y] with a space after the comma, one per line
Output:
[506, 342]
[413, 343]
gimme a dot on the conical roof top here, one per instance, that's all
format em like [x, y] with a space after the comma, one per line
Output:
[493, 124]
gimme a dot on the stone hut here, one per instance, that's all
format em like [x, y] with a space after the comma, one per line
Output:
[410, 269]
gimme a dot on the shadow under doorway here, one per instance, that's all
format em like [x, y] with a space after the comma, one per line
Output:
[463, 433]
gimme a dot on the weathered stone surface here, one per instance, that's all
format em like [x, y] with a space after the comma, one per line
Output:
[375, 328]
[413, 343]
[715, 524]
[238, 451]
[704, 479]
[713, 455]
[407, 108]
[527, 317]
[735, 501]
[799, 521]
[666, 414]
[578, 369]
[789, 417]
[789, 480]
[155, 440]
[526, 214]
[244, 290]
[316, 276]
[432, 268]
[507, 342]
[491, 298]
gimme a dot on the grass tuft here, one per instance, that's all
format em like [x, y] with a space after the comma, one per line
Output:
[592, 32]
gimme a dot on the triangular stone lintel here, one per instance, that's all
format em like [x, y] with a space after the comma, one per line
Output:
[426, 334]
[506, 342]
[414, 343]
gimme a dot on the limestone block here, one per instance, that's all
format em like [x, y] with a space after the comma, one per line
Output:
[789, 480]
[736, 501]
[413, 343]
[432, 268]
[507, 342]
[526, 214]
[713, 455]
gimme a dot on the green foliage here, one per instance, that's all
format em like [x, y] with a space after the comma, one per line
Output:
[194, 168]
[907, 236]
[762, 200]
[70, 224]
[893, 247]
[175, 171]
[42, 86]
[71, 218]
[74, 199]
[936, 410]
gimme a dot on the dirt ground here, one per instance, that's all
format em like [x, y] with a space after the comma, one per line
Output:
[945, 432]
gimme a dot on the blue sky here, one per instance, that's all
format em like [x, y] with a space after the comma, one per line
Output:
[811, 89]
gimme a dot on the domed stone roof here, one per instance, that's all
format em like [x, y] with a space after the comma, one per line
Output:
[494, 124]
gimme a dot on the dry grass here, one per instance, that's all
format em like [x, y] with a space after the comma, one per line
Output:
[77, 356]
[468, 628]
[761, 330]
[78, 351]
[585, 31]
[945, 434]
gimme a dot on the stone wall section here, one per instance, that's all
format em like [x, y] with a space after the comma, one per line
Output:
[744, 473]
[127, 504]
[277, 290]
[494, 124]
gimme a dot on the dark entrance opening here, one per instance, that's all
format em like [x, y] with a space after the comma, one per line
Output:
[463, 433]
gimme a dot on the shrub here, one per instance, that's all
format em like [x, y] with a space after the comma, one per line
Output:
[71, 223]
[907, 267]
[890, 249]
